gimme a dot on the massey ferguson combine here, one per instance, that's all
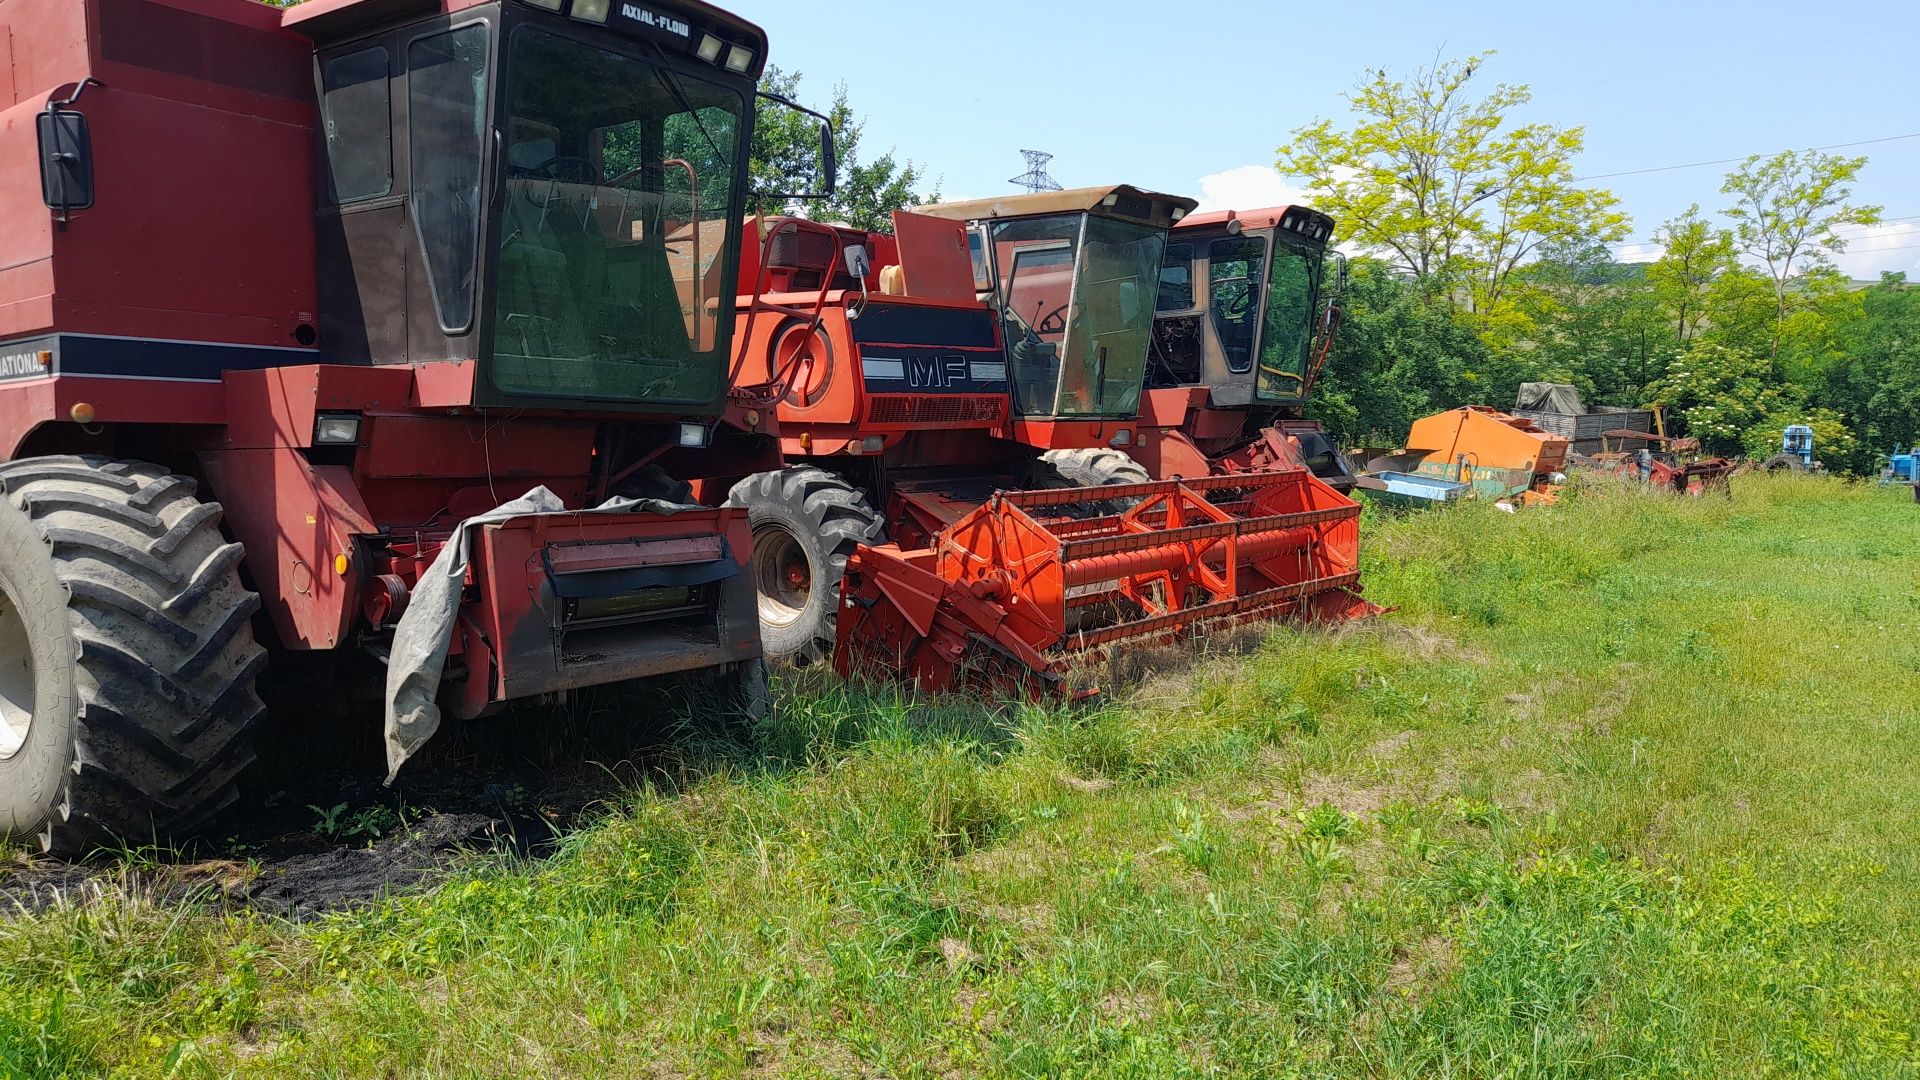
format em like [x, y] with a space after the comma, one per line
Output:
[361, 271]
[1244, 323]
[958, 465]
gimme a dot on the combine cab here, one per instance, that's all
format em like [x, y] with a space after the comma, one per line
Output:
[422, 292]
[1244, 321]
[977, 439]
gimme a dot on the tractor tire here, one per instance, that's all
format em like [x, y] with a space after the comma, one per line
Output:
[127, 655]
[1091, 468]
[806, 523]
[1784, 463]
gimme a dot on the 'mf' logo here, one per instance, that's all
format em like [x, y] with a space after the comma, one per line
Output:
[937, 372]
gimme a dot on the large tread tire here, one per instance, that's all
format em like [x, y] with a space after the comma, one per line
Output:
[1097, 467]
[803, 515]
[1784, 463]
[142, 653]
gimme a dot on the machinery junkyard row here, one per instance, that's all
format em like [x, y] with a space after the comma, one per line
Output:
[476, 369]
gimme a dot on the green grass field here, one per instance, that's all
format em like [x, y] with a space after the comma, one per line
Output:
[1629, 786]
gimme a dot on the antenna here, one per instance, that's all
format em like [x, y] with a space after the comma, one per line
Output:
[1036, 178]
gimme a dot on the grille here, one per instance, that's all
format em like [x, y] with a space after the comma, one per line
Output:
[914, 409]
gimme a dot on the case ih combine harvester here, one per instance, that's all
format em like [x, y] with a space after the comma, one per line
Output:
[960, 467]
[358, 270]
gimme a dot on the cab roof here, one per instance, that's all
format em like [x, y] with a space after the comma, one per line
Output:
[1113, 200]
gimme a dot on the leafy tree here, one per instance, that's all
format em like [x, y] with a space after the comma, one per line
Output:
[1592, 322]
[1787, 210]
[1720, 393]
[1396, 358]
[1696, 254]
[1435, 180]
[1876, 382]
[786, 160]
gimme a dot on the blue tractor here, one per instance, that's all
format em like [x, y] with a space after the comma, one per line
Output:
[1796, 451]
[1903, 467]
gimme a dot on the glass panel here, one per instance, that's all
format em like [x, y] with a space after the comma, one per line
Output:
[1113, 300]
[359, 131]
[1036, 257]
[620, 217]
[1234, 296]
[1176, 278]
[1293, 290]
[446, 119]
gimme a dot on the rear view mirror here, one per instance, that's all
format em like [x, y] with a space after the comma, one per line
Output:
[829, 165]
[859, 263]
[66, 162]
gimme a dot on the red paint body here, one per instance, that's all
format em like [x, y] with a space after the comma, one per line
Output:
[179, 311]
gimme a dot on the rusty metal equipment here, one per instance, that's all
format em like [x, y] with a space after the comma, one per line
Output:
[1011, 594]
[1496, 455]
[422, 292]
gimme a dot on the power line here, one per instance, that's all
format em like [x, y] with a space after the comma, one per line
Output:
[1731, 160]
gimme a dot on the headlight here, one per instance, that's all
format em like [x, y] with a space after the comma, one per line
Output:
[336, 429]
[709, 49]
[1123, 437]
[739, 60]
[693, 435]
[593, 11]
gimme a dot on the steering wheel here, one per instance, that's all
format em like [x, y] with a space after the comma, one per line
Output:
[1055, 322]
[567, 169]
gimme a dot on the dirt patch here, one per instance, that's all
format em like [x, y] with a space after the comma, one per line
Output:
[1420, 965]
[307, 885]
[1355, 800]
[298, 886]
[1391, 745]
[1086, 786]
[1427, 644]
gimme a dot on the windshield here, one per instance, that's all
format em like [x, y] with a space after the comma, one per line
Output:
[618, 213]
[1293, 284]
[1077, 302]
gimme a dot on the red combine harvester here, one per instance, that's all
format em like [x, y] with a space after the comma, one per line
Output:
[913, 408]
[362, 270]
[1244, 322]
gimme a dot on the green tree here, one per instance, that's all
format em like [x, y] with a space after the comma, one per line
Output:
[1436, 181]
[1720, 393]
[1696, 254]
[1396, 359]
[1590, 321]
[1787, 211]
[786, 160]
[1876, 382]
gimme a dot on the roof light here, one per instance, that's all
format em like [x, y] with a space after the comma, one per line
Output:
[709, 49]
[1111, 200]
[593, 11]
[1179, 212]
[739, 59]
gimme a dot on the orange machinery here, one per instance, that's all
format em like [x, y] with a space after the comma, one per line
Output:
[1496, 454]
[924, 523]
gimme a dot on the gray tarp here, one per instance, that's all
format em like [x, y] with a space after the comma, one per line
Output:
[1550, 397]
[420, 641]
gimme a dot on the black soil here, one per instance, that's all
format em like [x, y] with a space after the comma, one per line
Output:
[317, 829]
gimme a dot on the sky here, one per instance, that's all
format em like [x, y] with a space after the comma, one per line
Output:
[1194, 97]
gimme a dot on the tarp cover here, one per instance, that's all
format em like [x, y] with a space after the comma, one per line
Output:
[1555, 397]
[425, 630]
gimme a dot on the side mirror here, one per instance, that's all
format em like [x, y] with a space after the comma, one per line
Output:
[66, 162]
[829, 161]
[859, 263]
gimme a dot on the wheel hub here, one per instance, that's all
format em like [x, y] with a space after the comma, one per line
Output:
[17, 689]
[782, 576]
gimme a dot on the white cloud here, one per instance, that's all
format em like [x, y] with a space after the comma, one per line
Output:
[1248, 187]
[1878, 248]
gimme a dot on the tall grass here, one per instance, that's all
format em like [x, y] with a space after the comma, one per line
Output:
[1624, 787]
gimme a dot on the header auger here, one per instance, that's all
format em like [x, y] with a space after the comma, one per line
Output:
[1038, 585]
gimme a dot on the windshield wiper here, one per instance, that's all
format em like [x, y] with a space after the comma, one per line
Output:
[679, 92]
